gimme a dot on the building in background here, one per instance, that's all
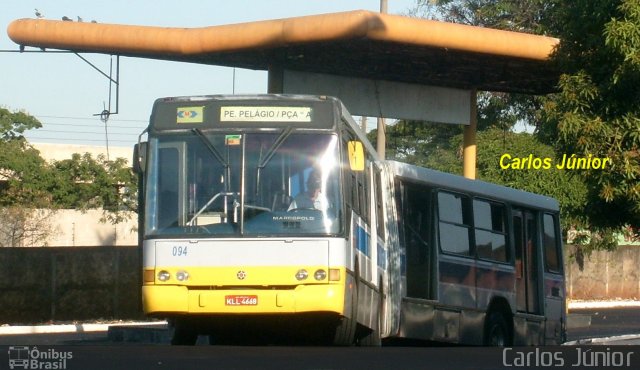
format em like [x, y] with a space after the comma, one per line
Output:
[84, 228]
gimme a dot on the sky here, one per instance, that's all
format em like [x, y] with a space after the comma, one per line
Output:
[64, 92]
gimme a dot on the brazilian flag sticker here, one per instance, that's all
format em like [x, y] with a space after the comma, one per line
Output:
[190, 115]
[232, 139]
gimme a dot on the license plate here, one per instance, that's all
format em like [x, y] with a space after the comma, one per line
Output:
[241, 300]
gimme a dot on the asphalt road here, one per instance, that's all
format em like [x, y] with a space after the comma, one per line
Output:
[96, 350]
[606, 323]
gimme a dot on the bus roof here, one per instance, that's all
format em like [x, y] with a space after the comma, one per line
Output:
[474, 187]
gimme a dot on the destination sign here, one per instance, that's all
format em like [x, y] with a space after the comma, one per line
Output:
[265, 114]
[251, 113]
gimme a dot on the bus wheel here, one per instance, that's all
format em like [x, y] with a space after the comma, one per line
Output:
[496, 331]
[183, 334]
[371, 337]
[345, 331]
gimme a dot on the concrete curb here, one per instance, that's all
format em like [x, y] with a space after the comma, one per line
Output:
[577, 305]
[150, 334]
[76, 328]
[603, 340]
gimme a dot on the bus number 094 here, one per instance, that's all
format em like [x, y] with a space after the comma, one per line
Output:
[179, 251]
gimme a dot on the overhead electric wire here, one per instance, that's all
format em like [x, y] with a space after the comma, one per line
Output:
[140, 128]
[84, 132]
[76, 139]
[89, 118]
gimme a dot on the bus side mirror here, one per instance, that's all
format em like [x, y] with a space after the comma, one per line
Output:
[140, 157]
[356, 155]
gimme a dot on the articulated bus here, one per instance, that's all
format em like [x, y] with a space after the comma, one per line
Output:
[271, 216]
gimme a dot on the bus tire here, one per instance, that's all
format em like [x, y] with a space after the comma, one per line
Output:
[345, 332]
[371, 337]
[496, 332]
[183, 334]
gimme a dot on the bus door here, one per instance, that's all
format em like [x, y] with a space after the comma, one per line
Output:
[526, 251]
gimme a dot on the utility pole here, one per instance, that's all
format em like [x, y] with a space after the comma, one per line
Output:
[382, 140]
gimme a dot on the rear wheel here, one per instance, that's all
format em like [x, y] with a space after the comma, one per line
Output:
[496, 331]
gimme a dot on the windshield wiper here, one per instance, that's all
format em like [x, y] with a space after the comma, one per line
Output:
[211, 148]
[262, 163]
[274, 147]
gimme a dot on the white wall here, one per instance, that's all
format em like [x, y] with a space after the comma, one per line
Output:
[75, 228]
[58, 152]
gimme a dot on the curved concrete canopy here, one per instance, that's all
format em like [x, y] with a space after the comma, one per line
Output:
[356, 44]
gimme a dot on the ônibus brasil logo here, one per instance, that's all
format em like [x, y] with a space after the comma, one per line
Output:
[25, 357]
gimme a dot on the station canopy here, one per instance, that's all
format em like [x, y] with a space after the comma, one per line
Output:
[358, 44]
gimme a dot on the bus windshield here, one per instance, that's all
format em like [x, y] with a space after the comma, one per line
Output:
[206, 183]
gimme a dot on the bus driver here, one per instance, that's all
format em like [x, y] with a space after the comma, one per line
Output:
[313, 198]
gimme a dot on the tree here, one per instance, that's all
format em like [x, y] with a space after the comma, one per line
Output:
[23, 172]
[32, 189]
[24, 179]
[513, 15]
[434, 146]
[566, 187]
[13, 125]
[596, 111]
[25, 227]
[421, 143]
[84, 183]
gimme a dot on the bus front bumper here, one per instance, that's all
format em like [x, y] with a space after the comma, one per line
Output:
[173, 299]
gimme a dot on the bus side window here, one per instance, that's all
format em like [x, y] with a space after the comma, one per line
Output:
[454, 223]
[354, 190]
[490, 230]
[415, 226]
[551, 245]
[168, 188]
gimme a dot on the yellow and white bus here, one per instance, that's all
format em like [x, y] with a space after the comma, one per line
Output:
[270, 216]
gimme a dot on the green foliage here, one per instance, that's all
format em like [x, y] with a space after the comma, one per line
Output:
[82, 182]
[513, 15]
[13, 125]
[421, 143]
[566, 187]
[596, 111]
[27, 177]
[85, 182]
[439, 146]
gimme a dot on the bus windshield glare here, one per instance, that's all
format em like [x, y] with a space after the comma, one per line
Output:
[212, 183]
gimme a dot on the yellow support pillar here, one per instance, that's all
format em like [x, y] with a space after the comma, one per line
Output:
[469, 140]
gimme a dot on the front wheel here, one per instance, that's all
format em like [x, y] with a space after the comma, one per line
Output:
[496, 331]
[371, 337]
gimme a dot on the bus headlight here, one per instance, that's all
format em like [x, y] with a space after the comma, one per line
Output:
[320, 275]
[164, 275]
[301, 274]
[182, 275]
